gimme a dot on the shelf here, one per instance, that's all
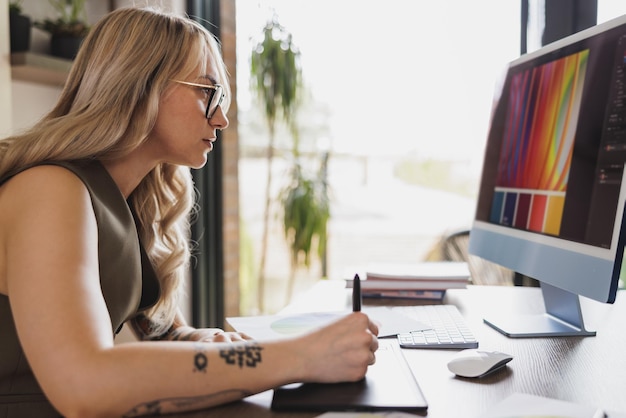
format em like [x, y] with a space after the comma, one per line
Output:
[39, 68]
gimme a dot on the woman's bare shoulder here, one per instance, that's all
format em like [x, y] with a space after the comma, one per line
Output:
[44, 197]
[38, 182]
[46, 191]
[43, 173]
[36, 206]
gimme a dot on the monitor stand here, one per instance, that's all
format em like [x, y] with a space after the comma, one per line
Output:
[563, 318]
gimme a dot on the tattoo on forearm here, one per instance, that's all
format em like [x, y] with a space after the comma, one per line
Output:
[200, 360]
[242, 355]
[172, 405]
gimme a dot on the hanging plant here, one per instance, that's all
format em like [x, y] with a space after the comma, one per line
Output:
[276, 78]
[276, 73]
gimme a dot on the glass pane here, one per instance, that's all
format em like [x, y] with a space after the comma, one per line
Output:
[399, 95]
[609, 9]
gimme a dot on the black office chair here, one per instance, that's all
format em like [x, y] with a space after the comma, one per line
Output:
[455, 247]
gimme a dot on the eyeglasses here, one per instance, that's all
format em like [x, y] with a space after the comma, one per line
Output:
[215, 92]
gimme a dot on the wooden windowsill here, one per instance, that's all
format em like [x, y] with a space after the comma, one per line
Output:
[39, 68]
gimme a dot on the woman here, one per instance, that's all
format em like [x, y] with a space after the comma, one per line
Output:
[94, 208]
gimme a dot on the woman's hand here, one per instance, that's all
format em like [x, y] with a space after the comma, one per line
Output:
[341, 351]
[212, 335]
[180, 331]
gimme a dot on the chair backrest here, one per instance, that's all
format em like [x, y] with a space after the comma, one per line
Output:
[455, 247]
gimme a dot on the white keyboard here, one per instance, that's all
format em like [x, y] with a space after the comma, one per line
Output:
[448, 328]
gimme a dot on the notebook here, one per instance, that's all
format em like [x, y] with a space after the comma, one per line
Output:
[388, 385]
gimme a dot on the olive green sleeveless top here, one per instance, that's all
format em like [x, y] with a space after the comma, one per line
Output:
[127, 279]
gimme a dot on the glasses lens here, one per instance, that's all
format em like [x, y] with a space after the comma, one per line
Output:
[214, 101]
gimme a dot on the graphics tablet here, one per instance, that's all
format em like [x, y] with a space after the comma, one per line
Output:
[388, 385]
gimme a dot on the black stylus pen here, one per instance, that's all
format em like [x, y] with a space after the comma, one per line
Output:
[356, 294]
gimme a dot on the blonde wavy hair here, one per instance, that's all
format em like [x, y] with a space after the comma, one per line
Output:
[107, 109]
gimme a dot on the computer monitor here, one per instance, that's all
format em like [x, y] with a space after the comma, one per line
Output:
[552, 191]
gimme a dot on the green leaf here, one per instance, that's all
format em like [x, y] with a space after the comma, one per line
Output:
[276, 73]
[305, 216]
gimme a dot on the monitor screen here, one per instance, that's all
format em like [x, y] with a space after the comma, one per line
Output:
[551, 198]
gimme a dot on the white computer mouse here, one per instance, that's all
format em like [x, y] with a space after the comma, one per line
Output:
[474, 362]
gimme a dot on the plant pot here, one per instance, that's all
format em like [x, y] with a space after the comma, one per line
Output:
[19, 32]
[64, 46]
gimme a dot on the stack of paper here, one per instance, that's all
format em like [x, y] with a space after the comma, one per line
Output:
[427, 280]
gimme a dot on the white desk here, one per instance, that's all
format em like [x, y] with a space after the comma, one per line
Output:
[589, 371]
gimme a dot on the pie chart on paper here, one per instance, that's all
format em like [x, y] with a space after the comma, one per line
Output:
[299, 324]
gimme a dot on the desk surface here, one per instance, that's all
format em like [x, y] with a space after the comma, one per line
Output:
[585, 370]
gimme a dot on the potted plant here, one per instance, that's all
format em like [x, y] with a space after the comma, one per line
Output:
[69, 28]
[19, 25]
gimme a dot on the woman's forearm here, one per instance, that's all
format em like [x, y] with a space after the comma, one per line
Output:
[174, 376]
[133, 379]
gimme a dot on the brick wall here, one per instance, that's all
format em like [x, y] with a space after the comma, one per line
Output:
[230, 147]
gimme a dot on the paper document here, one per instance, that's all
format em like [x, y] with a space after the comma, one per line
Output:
[421, 276]
[431, 270]
[521, 405]
[264, 327]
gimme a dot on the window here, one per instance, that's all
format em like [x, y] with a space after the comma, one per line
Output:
[609, 9]
[400, 96]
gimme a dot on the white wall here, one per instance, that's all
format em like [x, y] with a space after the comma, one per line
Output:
[31, 101]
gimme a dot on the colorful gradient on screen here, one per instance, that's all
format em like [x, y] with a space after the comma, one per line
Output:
[537, 145]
